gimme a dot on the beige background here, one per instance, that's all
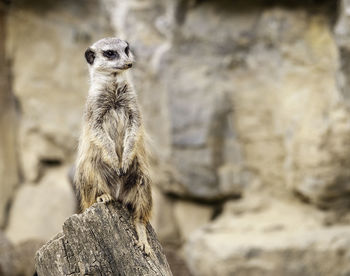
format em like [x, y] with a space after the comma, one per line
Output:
[247, 107]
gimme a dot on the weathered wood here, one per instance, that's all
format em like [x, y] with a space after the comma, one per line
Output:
[100, 241]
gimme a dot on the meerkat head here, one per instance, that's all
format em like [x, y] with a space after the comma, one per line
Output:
[109, 56]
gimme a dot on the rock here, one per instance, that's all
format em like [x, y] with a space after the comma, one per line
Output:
[38, 152]
[190, 117]
[8, 260]
[233, 180]
[18, 260]
[342, 37]
[8, 126]
[191, 216]
[265, 102]
[39, 211]
[100, 241]
[236, 100]
[51, 76]
[25, 253]
[294, 129]
[270, 238]
[177, 264]
[248, 205]
[163, 218]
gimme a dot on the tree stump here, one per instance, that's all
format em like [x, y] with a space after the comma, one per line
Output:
[100, 241]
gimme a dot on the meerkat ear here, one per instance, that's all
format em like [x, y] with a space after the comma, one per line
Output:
[90, 56]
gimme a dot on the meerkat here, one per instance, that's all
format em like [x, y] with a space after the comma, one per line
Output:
[112, 161]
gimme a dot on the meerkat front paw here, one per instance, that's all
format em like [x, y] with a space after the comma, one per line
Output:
[120, 172]
[114, 160]
[105, 198]
[111, 158]
[125, 166]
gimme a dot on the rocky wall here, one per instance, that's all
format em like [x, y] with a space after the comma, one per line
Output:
[45, 43]
[9, 176]
[247, 107]
[241, 93]
[247, 101]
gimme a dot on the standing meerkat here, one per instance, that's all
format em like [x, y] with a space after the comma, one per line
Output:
[112, 162]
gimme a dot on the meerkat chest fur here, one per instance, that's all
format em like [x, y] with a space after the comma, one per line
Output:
[113, 110]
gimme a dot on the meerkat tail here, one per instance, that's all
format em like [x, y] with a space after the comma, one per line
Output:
[142, 241]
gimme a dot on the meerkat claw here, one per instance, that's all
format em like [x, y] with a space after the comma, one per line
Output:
[120, 172]
[124, 169]
[105, 198]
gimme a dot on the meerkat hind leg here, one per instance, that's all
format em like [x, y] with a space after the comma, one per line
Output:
[142, 241]
[104, 198]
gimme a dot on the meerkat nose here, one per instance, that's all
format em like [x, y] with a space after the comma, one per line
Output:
[129, 65]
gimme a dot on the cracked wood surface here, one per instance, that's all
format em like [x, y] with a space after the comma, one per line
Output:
[100, 241]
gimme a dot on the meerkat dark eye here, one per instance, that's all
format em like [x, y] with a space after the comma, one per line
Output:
[127, 50]
[110, 54]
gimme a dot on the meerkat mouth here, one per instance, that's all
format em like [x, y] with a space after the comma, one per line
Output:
[124, 67]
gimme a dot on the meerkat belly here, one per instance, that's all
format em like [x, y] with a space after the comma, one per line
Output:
[118, 124]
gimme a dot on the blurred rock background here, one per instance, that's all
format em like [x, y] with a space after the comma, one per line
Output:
[247, 104]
